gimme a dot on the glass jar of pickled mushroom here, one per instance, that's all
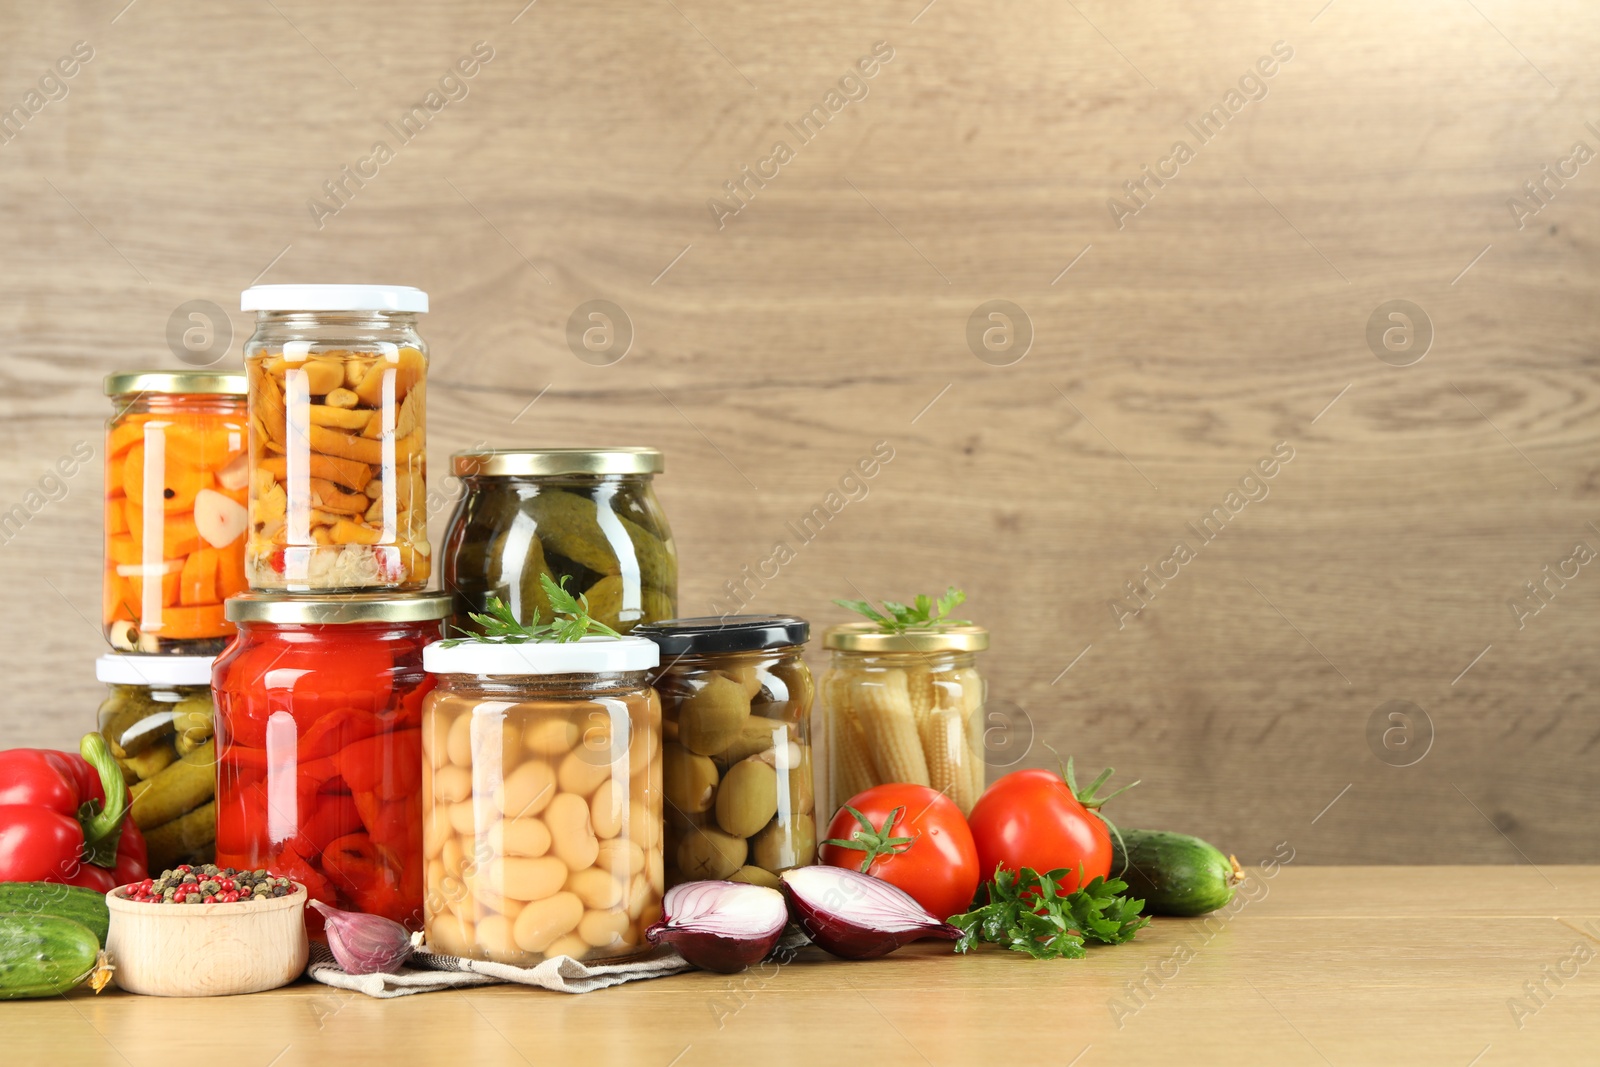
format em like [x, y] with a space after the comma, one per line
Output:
[157, 720]
[319, 745]
[338, 463]
[904, 707]
[542, 800]
[176, 480]
[736, 747]
[588, 515]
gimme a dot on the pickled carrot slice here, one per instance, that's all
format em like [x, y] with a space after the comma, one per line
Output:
[133, 473]
[198, 582]
[203, 447]
[231, 580]
[126, 434]
[123, 548]
[204, 620]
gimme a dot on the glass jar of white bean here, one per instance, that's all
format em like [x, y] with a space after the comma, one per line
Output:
[542, 800]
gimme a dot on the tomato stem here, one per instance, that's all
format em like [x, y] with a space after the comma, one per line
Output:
[873, 840]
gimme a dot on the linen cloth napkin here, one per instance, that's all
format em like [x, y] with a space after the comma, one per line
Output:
[429, 972]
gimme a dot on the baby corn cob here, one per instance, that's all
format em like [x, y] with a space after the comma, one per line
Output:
[852, 764]
[884, 707]
[972, 700]
[944, 741]
[921, 688]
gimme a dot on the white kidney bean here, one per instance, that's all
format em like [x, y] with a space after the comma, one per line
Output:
[543, 921]
[608, 807]
[595, 887]
[526, 790]
[571, 834]
[521, 878]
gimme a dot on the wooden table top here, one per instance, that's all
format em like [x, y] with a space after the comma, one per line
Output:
[1318, 965]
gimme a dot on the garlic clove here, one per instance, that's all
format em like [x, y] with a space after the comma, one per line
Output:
[366, 944]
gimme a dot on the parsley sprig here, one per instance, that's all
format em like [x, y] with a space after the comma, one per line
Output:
[1028, 912]
[923, 612]
[570, 620]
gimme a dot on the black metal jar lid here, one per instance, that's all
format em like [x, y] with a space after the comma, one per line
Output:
[711, 634]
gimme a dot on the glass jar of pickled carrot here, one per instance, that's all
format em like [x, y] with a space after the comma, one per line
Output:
[904, 707]
[176, 478]
[338, 463]
[541, 789]
[319, 745]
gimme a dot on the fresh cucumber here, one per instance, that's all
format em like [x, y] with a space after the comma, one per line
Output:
[1175, 874]
[43, 955]
[85, 906]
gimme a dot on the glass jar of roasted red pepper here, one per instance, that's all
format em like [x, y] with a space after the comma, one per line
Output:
[319, 745]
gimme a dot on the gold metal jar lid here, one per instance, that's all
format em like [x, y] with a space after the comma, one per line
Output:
[334, 609]
[189, 382]
[535, 462]
[866, 637]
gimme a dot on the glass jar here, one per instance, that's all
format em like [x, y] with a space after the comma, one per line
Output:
[542, 800]
[319, 745]
[158, 722]
[588, 515]
[176, 479]
[736, 710]
[338, 463]
[904, 707]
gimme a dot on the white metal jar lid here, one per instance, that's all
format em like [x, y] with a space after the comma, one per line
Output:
[154, 670]
[591, 655]
[333, 298]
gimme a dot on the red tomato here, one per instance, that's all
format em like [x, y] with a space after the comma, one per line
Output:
[929, 850]
[1033, 819]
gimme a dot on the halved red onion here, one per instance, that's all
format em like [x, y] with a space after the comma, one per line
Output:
[855, 915]
[721, 926]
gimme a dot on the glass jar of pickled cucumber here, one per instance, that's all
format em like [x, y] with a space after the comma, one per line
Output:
[176, 477]
[541, 791]
[338, 463]
[158, 721]
[904, 707]
[588, 515]
[319, 745]
[736, 738]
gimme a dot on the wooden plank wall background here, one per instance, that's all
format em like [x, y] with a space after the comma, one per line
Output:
[1226, 317]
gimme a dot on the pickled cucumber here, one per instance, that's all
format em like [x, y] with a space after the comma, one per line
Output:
[131, 722]
[570, 525]
[180, 788]
[187, 838]
[605, 604]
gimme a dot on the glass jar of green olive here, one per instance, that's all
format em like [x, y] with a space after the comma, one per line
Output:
[736, 710]
[584, 516]
[159, 722]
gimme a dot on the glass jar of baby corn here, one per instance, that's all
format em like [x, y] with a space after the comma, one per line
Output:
[904, 707]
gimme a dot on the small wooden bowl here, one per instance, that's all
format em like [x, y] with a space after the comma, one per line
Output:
[207, 950]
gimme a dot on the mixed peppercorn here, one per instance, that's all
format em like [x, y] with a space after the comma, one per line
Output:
[208, 884]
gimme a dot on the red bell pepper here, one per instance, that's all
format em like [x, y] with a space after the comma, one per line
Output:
[63, 818]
